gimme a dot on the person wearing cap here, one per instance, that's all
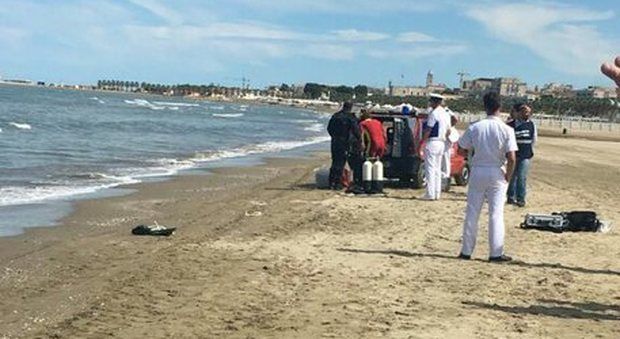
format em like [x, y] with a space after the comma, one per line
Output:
[526, 135]
[493, 162]
[434, 137]
[344, 131]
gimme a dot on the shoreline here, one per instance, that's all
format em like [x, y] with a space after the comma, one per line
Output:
[52, 207]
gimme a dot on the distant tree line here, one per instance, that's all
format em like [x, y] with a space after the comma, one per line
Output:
[180, 89]
[578, 106]
[341, 93]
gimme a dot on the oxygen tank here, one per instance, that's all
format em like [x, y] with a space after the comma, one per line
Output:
[367, 176]
[377, 177]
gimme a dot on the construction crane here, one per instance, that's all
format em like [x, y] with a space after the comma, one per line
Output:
[462, 75]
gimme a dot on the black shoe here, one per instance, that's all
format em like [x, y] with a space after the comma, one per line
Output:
[501, 258]
[464, 256]
[520, 203]
[356, 190]
[511, 201]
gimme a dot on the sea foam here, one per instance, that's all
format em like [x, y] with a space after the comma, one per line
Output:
[20, 125]
[228, 115]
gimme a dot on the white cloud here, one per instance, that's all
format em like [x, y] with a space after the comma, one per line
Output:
[439, 50]
[159, 10]
[558, 34]
[355, 35]
[369, 7]
[415, 37]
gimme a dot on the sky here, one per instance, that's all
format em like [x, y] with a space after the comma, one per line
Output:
[296, 41]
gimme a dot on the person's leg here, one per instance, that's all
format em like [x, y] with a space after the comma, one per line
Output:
[521, 186]
[445, 161]
[475, 199]
[339, 159]
[439, 149]
[355, 162]
[496, 193]
[512, 187]
[429, 166]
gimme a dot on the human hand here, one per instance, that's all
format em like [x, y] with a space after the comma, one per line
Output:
[612, 70]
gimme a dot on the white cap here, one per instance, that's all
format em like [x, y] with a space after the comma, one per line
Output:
[436, 96]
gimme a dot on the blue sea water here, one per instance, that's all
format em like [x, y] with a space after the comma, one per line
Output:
[58, 145]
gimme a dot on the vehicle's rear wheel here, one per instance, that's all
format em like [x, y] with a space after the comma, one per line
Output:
[463, 178]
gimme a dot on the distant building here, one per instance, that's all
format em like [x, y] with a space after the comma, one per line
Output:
[416, 91]
[429, 79]
[597, 92]
[557, 90]
[510, 87]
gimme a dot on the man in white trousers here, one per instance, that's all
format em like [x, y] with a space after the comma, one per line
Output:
[437, 126]
[494, 145]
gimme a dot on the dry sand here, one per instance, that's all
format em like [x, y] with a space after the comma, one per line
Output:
[260, 253]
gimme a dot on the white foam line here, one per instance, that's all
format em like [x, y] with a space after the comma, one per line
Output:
[20, 125]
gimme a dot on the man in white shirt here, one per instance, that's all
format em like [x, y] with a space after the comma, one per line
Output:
[434, 136]
[494, 145]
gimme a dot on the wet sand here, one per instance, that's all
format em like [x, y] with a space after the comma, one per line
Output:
[261, 253]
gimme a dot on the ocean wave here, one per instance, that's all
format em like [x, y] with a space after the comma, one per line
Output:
[228, 115]
[144, 103]
[98, 100]
[268, 147]
[20, 125]
[177, 104]
[217, 108]
[91, 182]
[38, 194]
[317, 127]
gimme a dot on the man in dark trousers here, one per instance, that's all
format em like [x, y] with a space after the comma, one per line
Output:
[344, 130]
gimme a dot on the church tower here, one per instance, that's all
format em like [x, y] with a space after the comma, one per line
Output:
[429, 79]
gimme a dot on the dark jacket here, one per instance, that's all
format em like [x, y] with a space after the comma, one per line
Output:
[345, 131]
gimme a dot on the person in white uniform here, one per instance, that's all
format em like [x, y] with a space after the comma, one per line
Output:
[494, 145]
[451, 138]
[435, 134]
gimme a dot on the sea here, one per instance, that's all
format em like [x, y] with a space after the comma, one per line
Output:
[59, 146]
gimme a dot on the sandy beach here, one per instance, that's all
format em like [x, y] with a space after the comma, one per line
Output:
[261, 253]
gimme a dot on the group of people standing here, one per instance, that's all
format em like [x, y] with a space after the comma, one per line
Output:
[353, 141]
[500, 154]
[496, 148]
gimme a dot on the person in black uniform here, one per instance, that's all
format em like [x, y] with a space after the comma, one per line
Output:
[526, 134]
[344, 130]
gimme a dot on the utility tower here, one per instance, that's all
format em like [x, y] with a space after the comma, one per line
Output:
[462, 75]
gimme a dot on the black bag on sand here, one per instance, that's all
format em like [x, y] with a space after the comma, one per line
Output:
[558, 222]
[581, 221]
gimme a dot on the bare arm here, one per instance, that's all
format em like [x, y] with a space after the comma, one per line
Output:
[510, 165]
